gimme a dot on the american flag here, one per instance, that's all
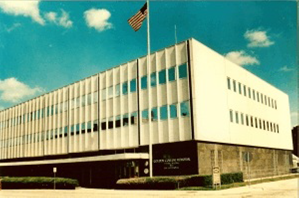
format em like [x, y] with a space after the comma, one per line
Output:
[136, 20]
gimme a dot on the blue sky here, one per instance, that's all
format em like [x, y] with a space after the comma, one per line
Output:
[45, 45]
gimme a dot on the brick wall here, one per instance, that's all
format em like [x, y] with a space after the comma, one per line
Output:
[230, 158]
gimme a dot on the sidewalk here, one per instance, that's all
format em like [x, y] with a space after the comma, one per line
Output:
[271, 177]
[278, 189]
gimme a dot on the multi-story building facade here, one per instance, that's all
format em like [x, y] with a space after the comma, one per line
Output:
[200, 109]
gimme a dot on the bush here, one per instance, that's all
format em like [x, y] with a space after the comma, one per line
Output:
[164, 182]
[229, 178]
[38, 183]
[176, 181]
[199, 180]
[148, 183]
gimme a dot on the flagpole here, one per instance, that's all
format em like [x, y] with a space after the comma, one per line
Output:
[148, 73]
[175, 37]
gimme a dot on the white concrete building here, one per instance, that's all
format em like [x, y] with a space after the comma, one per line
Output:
[195, 104]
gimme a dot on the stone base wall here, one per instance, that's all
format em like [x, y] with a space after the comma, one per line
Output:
[252, 161]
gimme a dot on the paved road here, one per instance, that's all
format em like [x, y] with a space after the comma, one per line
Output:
[279, 189]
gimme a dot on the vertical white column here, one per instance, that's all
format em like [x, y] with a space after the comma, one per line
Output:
[75, 140]
[55, 122]
[158, 87]
[100, 113]
[30, 127]
[40, 143]
[32, 131]
[10, 132]
[91, 112]
[99, 110]
[36, 128]
[63, 114]
[46, 150]
[24, 129]
[80, 121]
[169, 134]
[13, 133]
[125, 139]
[114, 132]
[178, 93]
[107, 110]
[130, 108]
[20, 131]
[59, 124]
[1, 134]
[87, 107]
[71, 115]
[51, 124]
[121, 103]
[7, 132]
[4, 135]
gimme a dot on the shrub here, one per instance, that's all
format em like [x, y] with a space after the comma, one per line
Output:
[176, 181]
[199, 180]
[147, 183]
[38, 183]
[164, 182]
[229, 178]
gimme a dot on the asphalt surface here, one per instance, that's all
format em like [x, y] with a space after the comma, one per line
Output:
[278, 189]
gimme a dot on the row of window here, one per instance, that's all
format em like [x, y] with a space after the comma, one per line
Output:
[87, 99]
[251, 93]
[50, 110]
[51, 134]
[248, 120]
[124, 87]
[119, 121]
[124, 120]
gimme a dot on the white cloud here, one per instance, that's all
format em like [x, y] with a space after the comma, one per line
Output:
[65, 20]
[14, 26]
[23, 8]
[258, 38]
[286, 69]
[62, 20]
[98, 19]
[12, 90]
[51, 16]
[1, 108]
[242, 58]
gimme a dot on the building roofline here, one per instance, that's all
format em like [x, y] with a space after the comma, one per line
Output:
[89, 77]
[244, 69]
[190, 39]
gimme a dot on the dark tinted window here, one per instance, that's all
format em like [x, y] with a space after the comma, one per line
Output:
[162, 76]
[171, 74]
[154, 114]
[117, 121]
[183, 71]
[144, 82]
[133, 85]
[153, 79]
[173, 111]
[125, 88]
[163, 112]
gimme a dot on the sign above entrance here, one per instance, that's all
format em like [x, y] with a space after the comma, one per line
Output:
[171, 159]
